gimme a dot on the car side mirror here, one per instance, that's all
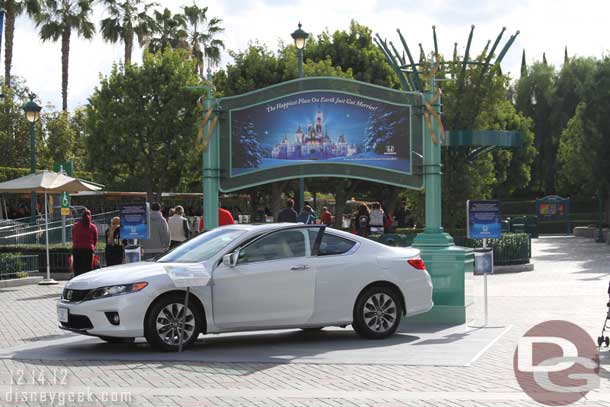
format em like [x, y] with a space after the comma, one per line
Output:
[230, 260]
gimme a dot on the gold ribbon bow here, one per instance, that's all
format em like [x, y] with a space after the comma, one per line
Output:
[201, 138]
[431, 112]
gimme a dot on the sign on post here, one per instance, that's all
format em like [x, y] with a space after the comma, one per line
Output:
[135, 221]
[484, 220]
[553, 208]
[65, 204]
[317, 127]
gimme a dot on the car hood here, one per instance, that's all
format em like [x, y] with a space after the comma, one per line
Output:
[127, 273]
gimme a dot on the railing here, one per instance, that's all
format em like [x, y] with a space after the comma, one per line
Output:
[17, 266]
[13, 232]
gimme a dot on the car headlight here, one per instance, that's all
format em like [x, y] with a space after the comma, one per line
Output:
[113, 290]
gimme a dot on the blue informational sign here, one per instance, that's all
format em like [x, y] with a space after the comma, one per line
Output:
[135, 221]
[484, 220]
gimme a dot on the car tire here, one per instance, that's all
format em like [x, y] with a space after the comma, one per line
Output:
[377, 312]
[161, 328]
[114, 339]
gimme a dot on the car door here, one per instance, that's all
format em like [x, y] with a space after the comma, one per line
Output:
[273, 283]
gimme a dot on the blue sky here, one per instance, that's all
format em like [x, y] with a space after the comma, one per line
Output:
[544, 25]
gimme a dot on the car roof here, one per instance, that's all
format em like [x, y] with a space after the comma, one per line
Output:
[268, 227]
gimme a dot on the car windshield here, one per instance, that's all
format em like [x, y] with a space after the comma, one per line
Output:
[202, 247]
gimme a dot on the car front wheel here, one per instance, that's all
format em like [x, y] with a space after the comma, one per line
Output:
[163, 326]
[377, 313]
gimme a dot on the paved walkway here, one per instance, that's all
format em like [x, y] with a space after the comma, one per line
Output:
[570, 283]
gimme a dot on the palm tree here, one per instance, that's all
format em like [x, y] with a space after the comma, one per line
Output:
[201, 33]
[57, 19]
[127, 18]
[13, 9]
[167, 30]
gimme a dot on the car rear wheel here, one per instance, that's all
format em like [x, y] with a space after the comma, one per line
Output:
[114, 339]
[163, 327]
[377, 313]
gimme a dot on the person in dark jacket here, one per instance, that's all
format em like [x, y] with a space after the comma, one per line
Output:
[115, 248]
[84, 239]
[288, 214]
[307, 215]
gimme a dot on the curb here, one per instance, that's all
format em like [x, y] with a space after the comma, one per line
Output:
[55, 276]
[517, 268]
[18, 282]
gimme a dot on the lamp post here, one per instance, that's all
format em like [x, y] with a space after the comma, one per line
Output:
[300, 36]
[32, 115]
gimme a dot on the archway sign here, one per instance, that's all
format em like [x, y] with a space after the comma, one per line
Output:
[334, 127]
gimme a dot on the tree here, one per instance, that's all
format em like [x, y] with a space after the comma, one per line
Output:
[167, 30]
[12, 10]
[56, 20]
[353, 50]
[14, 128]
[128, 18]
[245, 148]
[201, 36]
[141, 123]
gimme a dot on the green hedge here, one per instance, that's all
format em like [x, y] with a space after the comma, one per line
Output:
[12, 265]
[512, 248]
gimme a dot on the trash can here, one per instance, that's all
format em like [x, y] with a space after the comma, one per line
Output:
[517, 225]
[133, 254]
[531, 226]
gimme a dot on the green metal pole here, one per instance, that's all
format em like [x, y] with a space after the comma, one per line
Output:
[433, 233]
[33, 169]
[211, 173]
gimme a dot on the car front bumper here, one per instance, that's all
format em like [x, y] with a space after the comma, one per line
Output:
[89, 317]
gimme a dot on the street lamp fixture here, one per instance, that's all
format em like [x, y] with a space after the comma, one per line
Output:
[32, 115]
[32, 110]
[300, 36]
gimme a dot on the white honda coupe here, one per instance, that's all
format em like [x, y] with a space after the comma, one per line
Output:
[251, 277]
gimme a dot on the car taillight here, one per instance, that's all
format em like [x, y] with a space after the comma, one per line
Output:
[417, 263]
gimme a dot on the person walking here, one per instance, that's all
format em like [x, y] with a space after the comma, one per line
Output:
[84, 239]
[115, 248]
[362, 220]
[326, 217]
[306, 216]
[224, 218]
[401, 215]
[179, 229]
[376, 221]
[159, 234]
[288, 214]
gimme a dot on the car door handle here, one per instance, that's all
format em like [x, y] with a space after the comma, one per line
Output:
[301, 267]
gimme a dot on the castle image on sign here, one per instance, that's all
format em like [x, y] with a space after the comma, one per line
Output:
[313, 144]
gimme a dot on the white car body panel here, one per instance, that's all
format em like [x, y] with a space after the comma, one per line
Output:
[261, 295]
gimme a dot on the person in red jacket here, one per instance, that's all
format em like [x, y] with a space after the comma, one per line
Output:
[224, 218]
[84, 239]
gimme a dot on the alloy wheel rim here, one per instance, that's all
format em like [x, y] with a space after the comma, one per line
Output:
[380, 312]
[169, 324]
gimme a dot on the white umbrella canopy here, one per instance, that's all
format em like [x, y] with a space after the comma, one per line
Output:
[45, 182]
[48, 181]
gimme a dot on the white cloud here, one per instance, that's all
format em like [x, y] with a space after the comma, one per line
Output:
[545, 27]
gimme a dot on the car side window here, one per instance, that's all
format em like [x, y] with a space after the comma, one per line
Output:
[280, 245]
[333, 245]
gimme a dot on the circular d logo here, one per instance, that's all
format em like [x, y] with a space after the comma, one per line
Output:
[556, 363]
